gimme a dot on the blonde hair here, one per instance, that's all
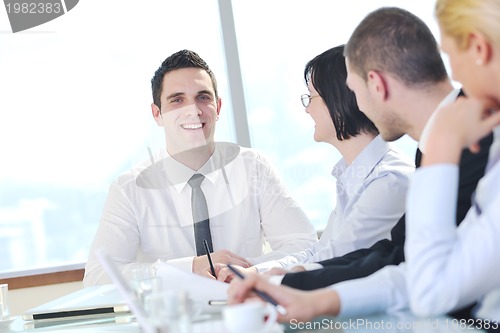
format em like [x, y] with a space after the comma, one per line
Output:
[459, 18]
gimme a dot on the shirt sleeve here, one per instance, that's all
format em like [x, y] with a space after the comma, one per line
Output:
[353, 265]
[117, 236]
[375, 213]
[383, 291]
[285, 225]
[377, 210]
[449, 267]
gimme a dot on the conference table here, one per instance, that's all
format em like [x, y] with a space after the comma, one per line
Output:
[212, 322]
[398, 322]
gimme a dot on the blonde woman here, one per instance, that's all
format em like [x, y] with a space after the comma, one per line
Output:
[450, 267]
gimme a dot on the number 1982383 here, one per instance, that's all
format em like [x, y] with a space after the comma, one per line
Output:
[34, 8]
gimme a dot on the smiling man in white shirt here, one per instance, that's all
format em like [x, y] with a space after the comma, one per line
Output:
[148, 214]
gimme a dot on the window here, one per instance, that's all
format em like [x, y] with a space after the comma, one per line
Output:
[75, 113]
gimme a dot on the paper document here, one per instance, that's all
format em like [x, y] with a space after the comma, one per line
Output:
[198, 287]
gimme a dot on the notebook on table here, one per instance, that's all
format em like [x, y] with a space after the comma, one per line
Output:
[91, 302]
[182, 278]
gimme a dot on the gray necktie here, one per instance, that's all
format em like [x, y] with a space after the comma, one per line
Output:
[200, 215]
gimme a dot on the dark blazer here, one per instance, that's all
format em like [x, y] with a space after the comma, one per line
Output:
[364, 262]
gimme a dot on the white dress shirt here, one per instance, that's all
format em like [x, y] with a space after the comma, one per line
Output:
[447, 267]
[147, 215]
[371, 194]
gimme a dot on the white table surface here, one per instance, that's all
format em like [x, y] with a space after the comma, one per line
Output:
[212, 322]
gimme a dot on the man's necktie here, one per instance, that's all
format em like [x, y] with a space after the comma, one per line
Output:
[201, 221]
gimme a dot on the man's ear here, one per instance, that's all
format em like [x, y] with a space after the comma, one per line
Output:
[377, 84]
[155, 110]
[219, 105]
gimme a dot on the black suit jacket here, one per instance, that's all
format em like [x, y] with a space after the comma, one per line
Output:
[364, 262]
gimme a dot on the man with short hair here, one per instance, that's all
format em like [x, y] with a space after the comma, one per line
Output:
[196, 190]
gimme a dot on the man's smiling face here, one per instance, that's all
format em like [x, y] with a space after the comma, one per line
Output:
[189, 109]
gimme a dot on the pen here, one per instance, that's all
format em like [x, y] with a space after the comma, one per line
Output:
[260, 293]
[212, 269]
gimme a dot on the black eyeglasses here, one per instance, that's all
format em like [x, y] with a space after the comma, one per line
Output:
[306, 99]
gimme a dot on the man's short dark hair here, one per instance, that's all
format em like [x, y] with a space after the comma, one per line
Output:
[396, 41]
[178, 60]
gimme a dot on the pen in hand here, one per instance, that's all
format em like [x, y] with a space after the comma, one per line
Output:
[212, 269]
[260, 293]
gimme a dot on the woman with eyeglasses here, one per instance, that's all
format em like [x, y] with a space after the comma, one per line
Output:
[372, 176]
